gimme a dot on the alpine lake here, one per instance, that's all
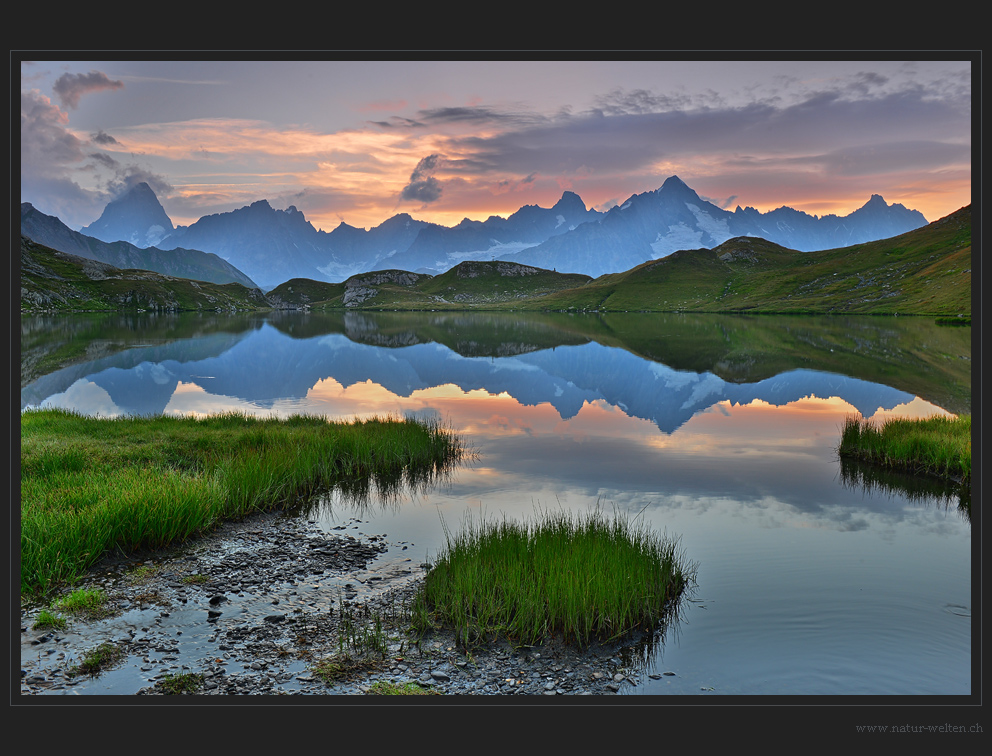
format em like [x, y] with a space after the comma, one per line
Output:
[814, 576]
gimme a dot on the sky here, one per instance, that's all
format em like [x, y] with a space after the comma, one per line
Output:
[360, 141]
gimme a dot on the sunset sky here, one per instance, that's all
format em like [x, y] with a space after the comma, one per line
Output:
[361, 141]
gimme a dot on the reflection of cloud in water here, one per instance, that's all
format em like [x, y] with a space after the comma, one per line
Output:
[86, 397]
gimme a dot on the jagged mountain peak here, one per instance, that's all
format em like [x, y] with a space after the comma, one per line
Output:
[677, 188]
[136, 216]
[569, 202]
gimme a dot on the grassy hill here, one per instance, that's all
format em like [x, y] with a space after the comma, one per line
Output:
[922, 272]
[53, 281]
[468, 284]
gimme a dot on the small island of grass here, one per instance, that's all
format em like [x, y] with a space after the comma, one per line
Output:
[938, 446]
[572, 577]
[90, 486]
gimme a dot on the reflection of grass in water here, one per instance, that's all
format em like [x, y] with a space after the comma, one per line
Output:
[386, 489]
[387, 493]
[925, 490]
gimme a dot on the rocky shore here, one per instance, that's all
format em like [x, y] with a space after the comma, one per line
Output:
[266, 607]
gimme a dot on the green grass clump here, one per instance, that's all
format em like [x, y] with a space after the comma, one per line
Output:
[85, 602]
[939, 446]
[98, 659]
[90, 486]
[582, 578]
[47, 620]
[343, 666]
[188, 682]
[387, 688]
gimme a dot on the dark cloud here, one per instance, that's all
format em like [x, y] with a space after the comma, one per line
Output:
[132, 175]
[423, 187]
[473, 116]
[621, 102]
[105, 160]
[507, 185]
[396, 122]
[460, 115]
[70, 87]
[101, 137]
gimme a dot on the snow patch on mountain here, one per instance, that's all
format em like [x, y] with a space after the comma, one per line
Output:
[718, 230]
[678, 237]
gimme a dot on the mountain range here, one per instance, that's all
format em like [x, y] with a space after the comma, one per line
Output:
[926, 271]
[272, 246]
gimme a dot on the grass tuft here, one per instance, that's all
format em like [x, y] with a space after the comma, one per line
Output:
[387, 688]
[98, 659]
[188, 682]
[580, 578]
[47, 620]
[90, 603]
[938, 446]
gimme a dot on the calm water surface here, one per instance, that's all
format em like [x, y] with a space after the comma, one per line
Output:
[813, 577]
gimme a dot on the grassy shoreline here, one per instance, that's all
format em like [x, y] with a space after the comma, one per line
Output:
[90, 486]
[937, 446]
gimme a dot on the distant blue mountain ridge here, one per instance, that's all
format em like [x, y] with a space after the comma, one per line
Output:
[272, 246]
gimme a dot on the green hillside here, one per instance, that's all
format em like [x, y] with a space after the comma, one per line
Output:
[303, 292]
[923, 272]
[53, 281]
[469, 284]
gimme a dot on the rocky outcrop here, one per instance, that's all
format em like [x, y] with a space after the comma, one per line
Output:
[361, 288]
[507, 269]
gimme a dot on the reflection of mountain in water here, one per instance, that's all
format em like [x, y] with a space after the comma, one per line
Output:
[265, 366]
[147, 362]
